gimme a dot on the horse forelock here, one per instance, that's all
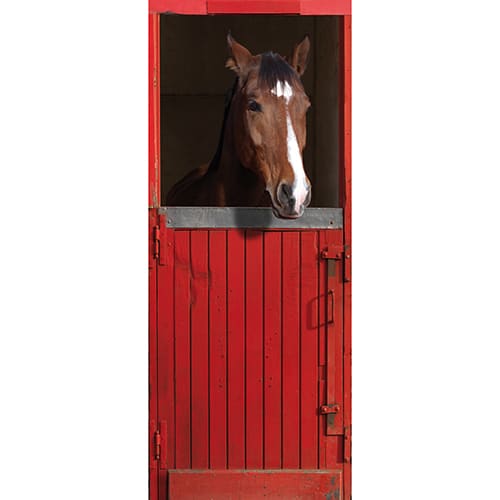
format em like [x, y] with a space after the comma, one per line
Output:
[275, 70]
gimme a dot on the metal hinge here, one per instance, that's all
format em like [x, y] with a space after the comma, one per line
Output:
[157, 445]
[156, 242]
[347, 445]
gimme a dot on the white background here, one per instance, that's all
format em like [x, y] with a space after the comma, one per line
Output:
[73, 266]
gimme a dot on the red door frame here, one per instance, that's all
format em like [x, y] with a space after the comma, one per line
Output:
[304, 7]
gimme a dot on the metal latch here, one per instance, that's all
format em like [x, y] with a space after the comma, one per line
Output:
[338, 252]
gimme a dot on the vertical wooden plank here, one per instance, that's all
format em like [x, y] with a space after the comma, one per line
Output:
[254, 404]
[162, 486]
[309, 351]
[291, 349]
[272, 350]
[347, 242]
[182, 351]
[199, 349]
[153, 357]
[236, 344]
[332, 278]
[217, 346]
[154, 110]
[324, 452]
[165, 313]
[334, 341]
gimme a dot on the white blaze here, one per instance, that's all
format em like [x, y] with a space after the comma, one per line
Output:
[299, 188]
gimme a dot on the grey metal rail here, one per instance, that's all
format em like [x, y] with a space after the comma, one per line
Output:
[250, 218]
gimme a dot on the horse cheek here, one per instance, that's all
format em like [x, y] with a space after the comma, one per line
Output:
[256, 136]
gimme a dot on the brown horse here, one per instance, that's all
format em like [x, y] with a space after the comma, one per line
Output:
[259, 158]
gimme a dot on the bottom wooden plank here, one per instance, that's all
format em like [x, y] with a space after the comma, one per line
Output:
[255, 484]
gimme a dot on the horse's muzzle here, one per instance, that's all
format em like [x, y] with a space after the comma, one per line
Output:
[289, 205]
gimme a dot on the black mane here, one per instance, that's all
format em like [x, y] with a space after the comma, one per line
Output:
[274, 69]
[214, 163]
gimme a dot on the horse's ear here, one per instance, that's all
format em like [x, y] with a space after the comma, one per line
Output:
[240, 56]
[300, 54]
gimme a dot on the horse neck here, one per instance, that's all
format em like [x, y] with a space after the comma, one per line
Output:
[241, 187]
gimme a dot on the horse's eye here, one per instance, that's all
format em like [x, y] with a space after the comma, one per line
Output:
[254, 106]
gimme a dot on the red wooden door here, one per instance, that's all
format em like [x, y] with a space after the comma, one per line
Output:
[250, 331]
[249, 350]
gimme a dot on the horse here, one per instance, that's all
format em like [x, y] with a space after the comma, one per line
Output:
[258, 161]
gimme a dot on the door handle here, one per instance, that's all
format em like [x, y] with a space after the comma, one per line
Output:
[331, 303]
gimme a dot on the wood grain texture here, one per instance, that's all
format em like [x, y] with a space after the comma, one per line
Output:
[236, 348]
[309, 351]
[272, 350]
[255, 485]
[246, 353]
[254, 290]
[182, 349]
[218, 349]
[199, 349]
[291, 349]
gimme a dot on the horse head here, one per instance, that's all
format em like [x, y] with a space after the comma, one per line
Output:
[269, 122]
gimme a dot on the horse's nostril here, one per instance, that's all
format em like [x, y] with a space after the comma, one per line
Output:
[285, 195]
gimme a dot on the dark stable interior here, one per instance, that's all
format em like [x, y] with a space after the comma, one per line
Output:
[194, 82]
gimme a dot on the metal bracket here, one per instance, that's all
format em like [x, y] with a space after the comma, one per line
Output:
[333, 252]
[347, 445]
[326, 409]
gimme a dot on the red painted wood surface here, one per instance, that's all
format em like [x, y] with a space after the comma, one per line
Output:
[200, 7]
[165, 345]
[179, 6]
[272, 350]
[242, 354]
[255, 485]
[236, 349]
[254, 357]
[182, 348]
[309, 258]
[154, 110]
[325, 7]
[253, 7]
[217, 375]
[334, 332]
[199, 350]
[290, 303]
[325, 448]
[246, 356]
[153, 359]
[347, 127]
